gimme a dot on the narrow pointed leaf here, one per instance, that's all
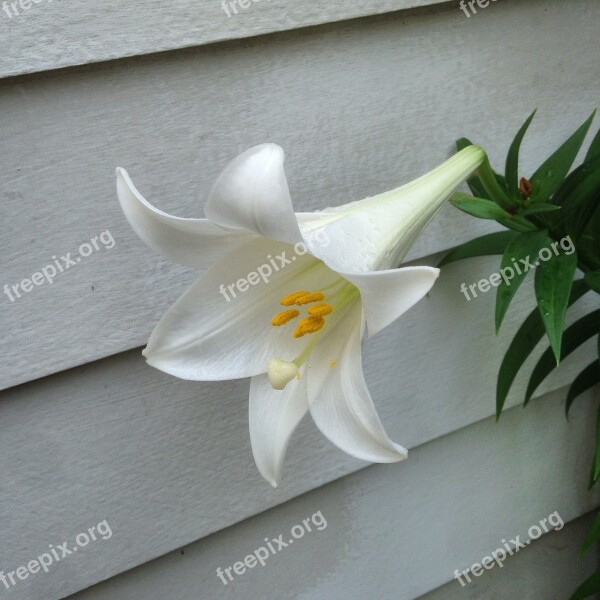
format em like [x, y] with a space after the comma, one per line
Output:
[596, 463]
[552, 173]
[564, 195]
[478, 207]
[588, 588]
[588, 247]
[526, 339]
[593, 280]
[486, 245]
[539, 207]
[512, 159]
[517, 223]
[592, 535]
[587, 379]
[494, 190]
[524, 246]
[553, 281]
[594, 149]
[583, 203]
[575, 335]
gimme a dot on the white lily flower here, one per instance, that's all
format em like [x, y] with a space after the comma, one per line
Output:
[287, 300]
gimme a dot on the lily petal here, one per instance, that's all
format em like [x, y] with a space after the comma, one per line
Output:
[339, 401]
[386, 295]
[274, 415]
[190, 242]
[252, 193]
[215, 333]
[376, 233]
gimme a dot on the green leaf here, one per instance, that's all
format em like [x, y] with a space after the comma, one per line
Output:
[551, 174]
[473, 182]
[575, 335]
[478, 207]
[594, 149]
[524, 246]
[593, 280]
[583, 202]
[494, 190]
[596, 463]
[517, 223]
[486, 245]
[523, 344]
[588, 588]
[588, 378]
[539, 207]
[592, 535]
[553, 281]
[512, 159]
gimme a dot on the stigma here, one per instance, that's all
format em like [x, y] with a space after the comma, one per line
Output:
[281, 372]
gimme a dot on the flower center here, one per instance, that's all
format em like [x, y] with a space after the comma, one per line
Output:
[322, 303]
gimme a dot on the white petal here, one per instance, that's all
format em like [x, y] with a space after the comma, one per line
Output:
[191, 242]
[339, 400]
[252, 193]
[210, 334]
[388, 294]
[274, 416]
[376, 233]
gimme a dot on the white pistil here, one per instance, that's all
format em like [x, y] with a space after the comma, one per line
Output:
[281, 372]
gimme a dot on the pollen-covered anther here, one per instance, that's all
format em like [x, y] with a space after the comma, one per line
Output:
[320, 310]
[309, 298]
[290, 299]
[309, 325]
[284, 317]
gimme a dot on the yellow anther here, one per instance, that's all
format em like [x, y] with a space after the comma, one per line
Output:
[310, 297]
[290, 299]
[284, 317]
[332, 364]
[309, 325]
[320, 310]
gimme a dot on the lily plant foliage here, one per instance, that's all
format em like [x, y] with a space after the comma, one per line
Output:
[298, 336]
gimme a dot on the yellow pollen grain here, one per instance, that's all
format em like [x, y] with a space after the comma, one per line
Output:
[332, 364]
[290, 299]
[284, 317]
[309, 325]
[309, 298]
[320, 310]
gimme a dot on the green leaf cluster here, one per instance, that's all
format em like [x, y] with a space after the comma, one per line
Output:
[557, 208]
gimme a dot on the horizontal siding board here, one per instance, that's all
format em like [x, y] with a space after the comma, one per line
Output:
[359, 107]
[62, 34]
[550, 569]
[168, 462]
[399, 532]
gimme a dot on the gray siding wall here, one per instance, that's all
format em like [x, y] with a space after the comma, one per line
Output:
[88, 432]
